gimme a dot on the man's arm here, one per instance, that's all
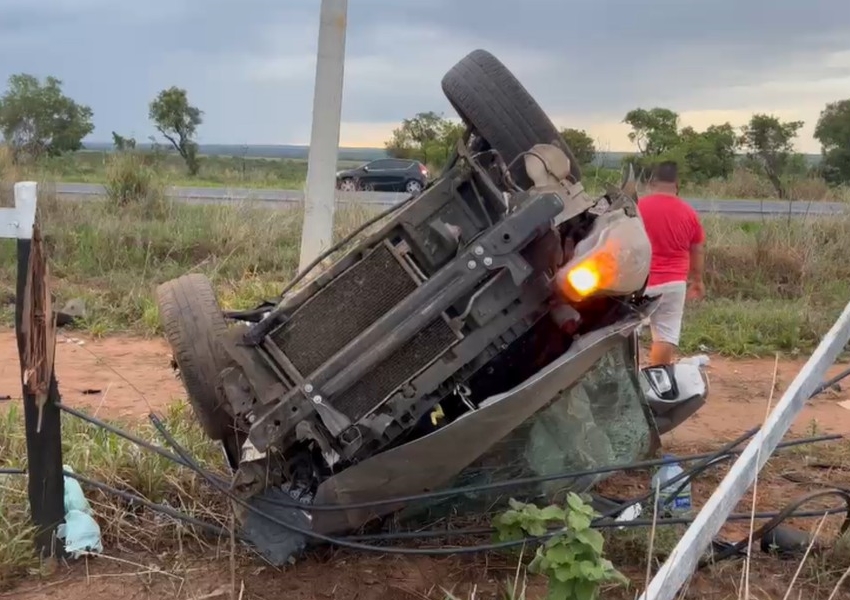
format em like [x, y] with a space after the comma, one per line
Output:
[696, 286]
[697, 262]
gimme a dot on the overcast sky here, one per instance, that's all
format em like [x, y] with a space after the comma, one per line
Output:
[250, 64]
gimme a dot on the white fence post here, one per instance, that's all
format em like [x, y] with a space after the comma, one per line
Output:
[681, 563]
[317, 231]
[17, 222]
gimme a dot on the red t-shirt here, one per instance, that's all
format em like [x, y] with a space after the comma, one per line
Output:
[672, 226]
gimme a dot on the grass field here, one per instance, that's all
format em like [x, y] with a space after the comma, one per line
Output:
[285, 173]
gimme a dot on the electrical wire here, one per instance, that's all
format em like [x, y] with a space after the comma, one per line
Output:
[499, 485]
[352, 545]
[786, 513]
[830, 382]
[341, 542]
[776, 518]
[122, 434]
[632, 524]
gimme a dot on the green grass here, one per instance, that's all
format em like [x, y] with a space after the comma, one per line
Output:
[771, 286]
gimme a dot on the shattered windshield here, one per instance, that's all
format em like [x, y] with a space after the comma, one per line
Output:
[599, 421]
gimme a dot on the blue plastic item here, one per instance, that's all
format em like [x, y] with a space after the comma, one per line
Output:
[668, 501]
[81, 534]
[74, 497]
[80, 531]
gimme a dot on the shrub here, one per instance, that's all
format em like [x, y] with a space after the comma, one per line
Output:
[132, 183]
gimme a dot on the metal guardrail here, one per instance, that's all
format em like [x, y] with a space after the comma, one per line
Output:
[741, 208]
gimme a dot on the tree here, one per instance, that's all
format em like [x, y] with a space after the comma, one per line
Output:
[770, 144]
[38, 119]
[708, 154]
[178, 121]
[121, 143]
[427, 136]
[654, 131]
[833, 132]
[581, 144]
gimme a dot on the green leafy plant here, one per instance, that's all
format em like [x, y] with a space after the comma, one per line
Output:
[572, 558]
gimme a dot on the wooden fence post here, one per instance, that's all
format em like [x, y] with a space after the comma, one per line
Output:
[46, 487]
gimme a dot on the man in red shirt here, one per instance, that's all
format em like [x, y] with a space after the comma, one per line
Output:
[676, 270]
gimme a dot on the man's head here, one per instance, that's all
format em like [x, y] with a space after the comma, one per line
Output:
[665, 178]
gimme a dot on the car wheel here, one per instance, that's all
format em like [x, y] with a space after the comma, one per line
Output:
[413, 187]
[348, 185]
[488, 98]
[192, 320]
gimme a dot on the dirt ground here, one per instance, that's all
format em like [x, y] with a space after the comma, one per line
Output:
[125, 378]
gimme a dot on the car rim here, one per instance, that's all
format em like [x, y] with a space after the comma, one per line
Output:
[347, 186]
[413, 187]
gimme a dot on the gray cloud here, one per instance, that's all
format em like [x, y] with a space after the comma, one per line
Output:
[250, 65]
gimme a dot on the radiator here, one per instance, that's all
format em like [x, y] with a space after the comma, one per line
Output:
[421, 349]
[340, 312]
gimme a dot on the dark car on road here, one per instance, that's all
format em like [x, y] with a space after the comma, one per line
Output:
[385, 175]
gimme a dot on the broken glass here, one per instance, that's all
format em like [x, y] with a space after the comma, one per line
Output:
[598, 422]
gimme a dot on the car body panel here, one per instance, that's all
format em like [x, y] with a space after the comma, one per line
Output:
[433, 461]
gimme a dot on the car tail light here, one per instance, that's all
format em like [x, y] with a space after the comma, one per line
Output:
[423, 170]
[612, 260]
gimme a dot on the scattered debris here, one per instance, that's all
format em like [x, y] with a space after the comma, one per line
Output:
[74, 310]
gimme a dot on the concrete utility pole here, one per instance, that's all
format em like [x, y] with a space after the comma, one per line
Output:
[324, 137]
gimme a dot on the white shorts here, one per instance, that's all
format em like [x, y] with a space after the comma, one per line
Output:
[665, 322]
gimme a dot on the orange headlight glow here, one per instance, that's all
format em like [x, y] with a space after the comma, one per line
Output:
[584, 279]
[587, 277]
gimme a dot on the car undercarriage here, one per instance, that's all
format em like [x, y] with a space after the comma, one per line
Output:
[487, 328]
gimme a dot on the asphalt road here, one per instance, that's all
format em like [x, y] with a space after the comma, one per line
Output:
[281, 198]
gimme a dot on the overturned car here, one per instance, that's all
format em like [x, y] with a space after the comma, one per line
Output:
[487, 330]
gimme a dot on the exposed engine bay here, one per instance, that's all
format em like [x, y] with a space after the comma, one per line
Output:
[444, 335]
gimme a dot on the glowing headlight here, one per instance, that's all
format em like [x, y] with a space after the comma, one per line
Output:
[612, 260]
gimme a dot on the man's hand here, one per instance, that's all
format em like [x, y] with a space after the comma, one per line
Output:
[696, 290]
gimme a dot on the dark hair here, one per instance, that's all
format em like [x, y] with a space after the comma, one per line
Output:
[666, 172]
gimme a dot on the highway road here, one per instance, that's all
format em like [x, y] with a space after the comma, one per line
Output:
[283, 198]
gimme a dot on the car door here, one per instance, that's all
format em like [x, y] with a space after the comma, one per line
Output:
[375, 174]
[397, 174]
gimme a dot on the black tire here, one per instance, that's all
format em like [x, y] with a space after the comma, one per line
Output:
[488, 97]
[192, 320]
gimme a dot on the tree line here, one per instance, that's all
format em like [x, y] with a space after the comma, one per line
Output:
[37, 119]
[765, 144]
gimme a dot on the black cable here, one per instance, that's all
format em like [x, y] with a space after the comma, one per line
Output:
[341, 542]
[685, 475]
[512, 483]
[634, 523]
[777, 520]
[830, 382]
[124, 434]
[452, 491]
[160, 508]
